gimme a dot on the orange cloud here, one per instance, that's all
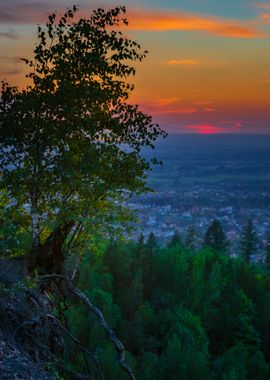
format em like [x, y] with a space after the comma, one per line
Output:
[204, 103]
[191, 62]
[155, 20]
[184, 62]
[176, 111]
[169, 110]
[139, 19]
[264, 16]
[173, 106]
[177, 106]
[166, 101]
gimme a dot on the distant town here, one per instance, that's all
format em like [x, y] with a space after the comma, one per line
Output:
[202, 179]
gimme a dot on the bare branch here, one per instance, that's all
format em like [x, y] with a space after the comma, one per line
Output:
[77, 342]
[95, 310]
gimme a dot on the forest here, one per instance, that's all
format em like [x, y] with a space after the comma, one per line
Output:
[181, 314]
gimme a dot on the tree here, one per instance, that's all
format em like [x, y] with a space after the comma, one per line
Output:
[151, 243]
[267, 252]
[147, 261]
[249, 240]
[215, 237]
[70, 142]
[175, 240]
[190, 237]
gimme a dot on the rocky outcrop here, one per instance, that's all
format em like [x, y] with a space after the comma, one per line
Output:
[29, 339]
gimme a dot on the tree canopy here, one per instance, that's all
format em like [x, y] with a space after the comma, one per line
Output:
[70, 143]
[249, 240]
[215, 237]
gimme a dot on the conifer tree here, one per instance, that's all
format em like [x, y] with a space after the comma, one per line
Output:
[151, 242]
[147, 264]
[249, 240]
[190, 237]
[140, 250]
[140, 246]
[267, 252]
[176, 240]
[215, 237]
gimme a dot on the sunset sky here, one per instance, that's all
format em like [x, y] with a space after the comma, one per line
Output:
[208, 68]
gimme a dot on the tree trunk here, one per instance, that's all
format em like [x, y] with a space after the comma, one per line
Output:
[35, 223]
[49, 257]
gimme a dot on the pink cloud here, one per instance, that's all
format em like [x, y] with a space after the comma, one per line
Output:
[37, 11]
[214, 128]
[24, 13]
[205, 128]
[263, 5]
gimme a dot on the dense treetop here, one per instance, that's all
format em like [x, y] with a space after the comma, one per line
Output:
[70, 142]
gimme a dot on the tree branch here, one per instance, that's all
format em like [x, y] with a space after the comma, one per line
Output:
[95, 310]
[77, 342]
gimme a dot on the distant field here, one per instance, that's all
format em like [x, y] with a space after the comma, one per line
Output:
[210, 180]
[225, 160]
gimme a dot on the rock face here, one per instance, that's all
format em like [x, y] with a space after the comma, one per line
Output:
[29, 339]
[14, 364]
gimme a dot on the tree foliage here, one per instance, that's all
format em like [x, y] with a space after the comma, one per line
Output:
[249, 240]
[267, 251]
[70, 142]
[175, 240]
[215, 237]
[190, 237]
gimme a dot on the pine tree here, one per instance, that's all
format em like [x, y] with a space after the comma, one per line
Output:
[176, 240]
[267, 252]
[147, 265]
[249, 240]
[190, 237]
[151, 242]
[215, 237]
[141, 240]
